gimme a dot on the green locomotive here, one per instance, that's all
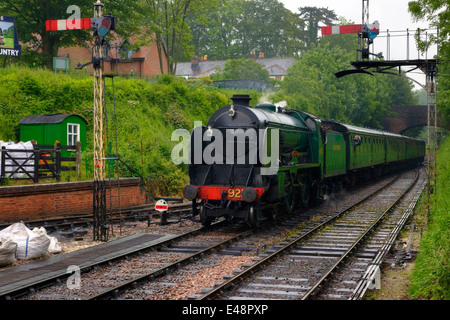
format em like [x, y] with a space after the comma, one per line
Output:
[289, 159]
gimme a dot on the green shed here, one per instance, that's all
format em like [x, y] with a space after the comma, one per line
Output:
[49, 128]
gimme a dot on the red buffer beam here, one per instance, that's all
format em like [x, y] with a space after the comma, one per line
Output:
[69, 24]
[352, 28]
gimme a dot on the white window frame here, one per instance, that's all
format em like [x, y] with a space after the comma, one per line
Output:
[72, 134]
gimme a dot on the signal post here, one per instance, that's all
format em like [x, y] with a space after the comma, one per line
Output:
[100, 26]
[368, 32]
[99, 209]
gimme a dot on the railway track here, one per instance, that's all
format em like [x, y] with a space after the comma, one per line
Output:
[167, 286]
[145, 273]
[304, 266]
[131, 263]
[70, 225]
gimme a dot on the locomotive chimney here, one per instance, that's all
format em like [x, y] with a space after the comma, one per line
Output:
[241, 99]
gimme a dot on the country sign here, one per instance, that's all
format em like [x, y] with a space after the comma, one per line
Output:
[9, 42]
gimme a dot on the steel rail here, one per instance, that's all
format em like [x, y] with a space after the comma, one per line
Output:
[215, 292]
[82, 219]
[315, 289]
[368, 276]
[134, 283]
[23, 290]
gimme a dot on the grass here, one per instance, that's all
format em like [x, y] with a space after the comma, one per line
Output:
[431, 275]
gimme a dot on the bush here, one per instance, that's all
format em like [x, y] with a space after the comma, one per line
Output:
[147, 114]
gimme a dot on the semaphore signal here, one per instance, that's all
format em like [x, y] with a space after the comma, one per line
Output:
[68, 24]
[100, 25]
[372, 29]
[393, 67]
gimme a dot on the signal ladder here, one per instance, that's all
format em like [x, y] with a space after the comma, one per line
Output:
[112, 158]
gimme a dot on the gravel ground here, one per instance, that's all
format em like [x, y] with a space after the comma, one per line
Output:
[203, 273]
[189, 280]
[127, 229]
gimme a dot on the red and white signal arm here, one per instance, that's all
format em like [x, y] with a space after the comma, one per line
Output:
[161, 205]
[67, 24]
[351, 28]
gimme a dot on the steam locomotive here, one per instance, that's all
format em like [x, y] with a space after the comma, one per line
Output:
[250, 164]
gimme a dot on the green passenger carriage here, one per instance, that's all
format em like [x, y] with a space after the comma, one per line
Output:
[315, 156]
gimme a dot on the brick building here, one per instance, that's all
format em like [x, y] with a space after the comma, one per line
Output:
[121, 58]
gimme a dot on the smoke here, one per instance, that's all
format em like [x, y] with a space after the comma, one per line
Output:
[281, 104]
[266, 98]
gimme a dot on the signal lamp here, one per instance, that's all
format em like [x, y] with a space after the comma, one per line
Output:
[104, 27]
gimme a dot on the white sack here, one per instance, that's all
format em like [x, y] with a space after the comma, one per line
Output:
[26, 147]
[54, 246]
[7, 252]
[30, 245]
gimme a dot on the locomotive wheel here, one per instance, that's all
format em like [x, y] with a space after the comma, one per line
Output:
[204, 220]
[305, 191]
[277, 210]
[315, 192]
[338, 185]
[253, 216]
[290, 201]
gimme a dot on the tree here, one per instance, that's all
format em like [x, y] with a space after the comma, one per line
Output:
[310, 85]
[438, 14]
[238, 27]
[241, 69]
[313, 16]
[31, 17]
[168, 22]
[267, 26]
[215, 33]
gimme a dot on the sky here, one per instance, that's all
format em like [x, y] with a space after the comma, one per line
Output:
[392, 15]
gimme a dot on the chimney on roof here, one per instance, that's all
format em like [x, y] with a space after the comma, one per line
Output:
[195, 63]
[252, 55]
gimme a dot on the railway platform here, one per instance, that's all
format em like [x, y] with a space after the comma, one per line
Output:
[25, 276]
